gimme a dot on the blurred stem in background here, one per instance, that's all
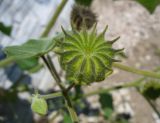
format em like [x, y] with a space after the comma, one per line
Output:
[48, 28]
[137, 71]
[136, 84]
[54, 18]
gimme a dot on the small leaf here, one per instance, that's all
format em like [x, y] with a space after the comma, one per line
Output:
[32, 48]
[150, 5]
[39, 105]
[5, 29]
[106, 104]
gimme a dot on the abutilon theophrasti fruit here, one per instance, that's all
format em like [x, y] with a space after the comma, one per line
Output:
[86, 56]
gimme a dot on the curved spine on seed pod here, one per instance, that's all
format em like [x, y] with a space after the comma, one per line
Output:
[82, 15]
[86, 56]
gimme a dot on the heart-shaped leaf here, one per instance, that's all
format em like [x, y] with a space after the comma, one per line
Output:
[32, 48]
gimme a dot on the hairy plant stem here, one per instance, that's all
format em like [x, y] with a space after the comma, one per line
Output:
[70, 87]
[64, 92]
[50, 96]
[137, 71]
[53, 68]
[70, 108]
[69, 105]
[53, 72]
[120, 86]
[54, 18]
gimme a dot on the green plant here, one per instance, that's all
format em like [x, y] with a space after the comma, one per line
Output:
[5, 29]
[86, 57]
[149, 5]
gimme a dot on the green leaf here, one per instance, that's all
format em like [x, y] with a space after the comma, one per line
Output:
[150, 5]
[106, 104]
[27, 64]
[35, 68]
[5, 29]
[39, 105]
[32, 48]
[32, 65]
[67, 118]
[84, 2]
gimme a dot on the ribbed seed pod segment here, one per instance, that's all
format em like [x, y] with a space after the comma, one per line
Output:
[87, 57]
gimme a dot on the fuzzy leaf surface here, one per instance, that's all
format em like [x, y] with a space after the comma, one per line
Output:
[32, 48]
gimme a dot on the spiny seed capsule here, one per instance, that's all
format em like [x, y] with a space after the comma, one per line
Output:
[81, 16]
[87, 57]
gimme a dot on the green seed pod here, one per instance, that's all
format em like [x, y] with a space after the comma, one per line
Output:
[82, 16]
[87, 57]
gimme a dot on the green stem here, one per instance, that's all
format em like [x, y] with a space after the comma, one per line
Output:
[6, 61]
[106, 90]
[69, 105]
[54, 18]
[70, 87]
[52, 71]
[53, 68]
[137, 71]
[50, 96]
[70, 108]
